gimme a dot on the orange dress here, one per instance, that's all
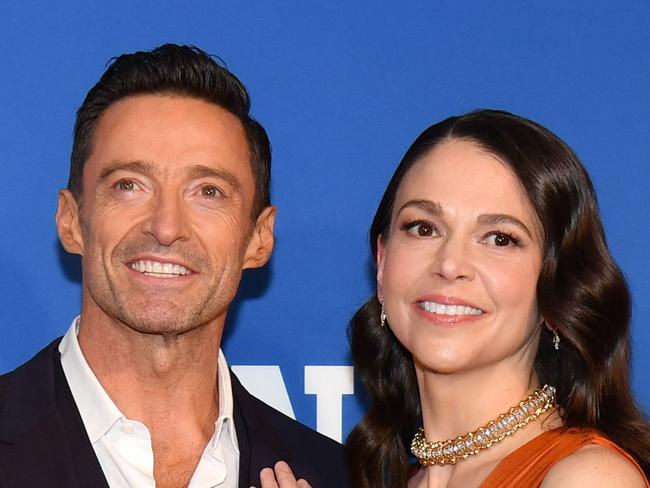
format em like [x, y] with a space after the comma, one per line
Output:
[527, 466]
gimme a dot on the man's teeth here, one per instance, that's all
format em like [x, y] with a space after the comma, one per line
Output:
[160, 270]
[441, 309]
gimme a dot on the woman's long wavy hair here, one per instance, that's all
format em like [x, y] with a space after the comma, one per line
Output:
[580, 292]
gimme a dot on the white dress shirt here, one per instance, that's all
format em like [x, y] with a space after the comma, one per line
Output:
[123, 446]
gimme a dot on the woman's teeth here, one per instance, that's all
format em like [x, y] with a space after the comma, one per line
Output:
[442, 309]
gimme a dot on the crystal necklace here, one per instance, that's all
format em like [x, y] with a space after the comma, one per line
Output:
[453, 450]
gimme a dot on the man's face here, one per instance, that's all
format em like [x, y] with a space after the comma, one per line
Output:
[165, 226]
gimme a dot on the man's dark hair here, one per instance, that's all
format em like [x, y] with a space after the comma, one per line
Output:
[177, 70]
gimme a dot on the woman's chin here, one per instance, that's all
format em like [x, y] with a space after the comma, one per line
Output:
[442, 362]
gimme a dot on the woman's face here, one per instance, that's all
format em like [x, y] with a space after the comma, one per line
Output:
[459, 269]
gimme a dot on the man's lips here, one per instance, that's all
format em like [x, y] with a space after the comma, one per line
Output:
[160, 268]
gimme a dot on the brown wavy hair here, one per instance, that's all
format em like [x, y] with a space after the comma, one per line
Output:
[581, 293]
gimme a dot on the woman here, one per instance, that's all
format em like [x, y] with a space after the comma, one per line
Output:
[497, 300]
[501, 322]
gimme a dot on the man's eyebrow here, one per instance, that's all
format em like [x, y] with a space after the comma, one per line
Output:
[202, 171]
[492, 219]
[429, 206]
[142, 167]
[147, 169]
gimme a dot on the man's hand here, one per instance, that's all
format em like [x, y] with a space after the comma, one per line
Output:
[281, 476]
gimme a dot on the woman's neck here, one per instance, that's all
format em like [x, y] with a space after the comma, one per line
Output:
[455, 404]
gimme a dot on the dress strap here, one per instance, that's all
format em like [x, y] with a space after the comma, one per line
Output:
[527, 466]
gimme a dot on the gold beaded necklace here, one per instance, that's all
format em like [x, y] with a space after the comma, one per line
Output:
[453, 450]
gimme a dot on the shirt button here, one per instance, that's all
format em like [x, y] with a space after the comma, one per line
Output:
[127, 428]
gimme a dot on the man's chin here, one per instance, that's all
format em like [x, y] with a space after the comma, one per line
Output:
[161, 325]
[161, 319]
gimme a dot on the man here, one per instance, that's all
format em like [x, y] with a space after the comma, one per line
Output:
[167, 203]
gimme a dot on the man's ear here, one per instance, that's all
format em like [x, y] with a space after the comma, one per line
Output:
[380, 265]
[261, 242]
[68, 223]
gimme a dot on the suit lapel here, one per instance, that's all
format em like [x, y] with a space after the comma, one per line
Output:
[87, 468]
[260, 444]
[243, 442]
[43, 439]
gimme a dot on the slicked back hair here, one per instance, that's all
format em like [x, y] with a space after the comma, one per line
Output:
[175, 70]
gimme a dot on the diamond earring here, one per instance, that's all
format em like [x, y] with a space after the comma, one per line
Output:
[556, 340]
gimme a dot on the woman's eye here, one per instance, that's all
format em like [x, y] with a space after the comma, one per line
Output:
[502, 239]
[211, 191]
[421, 229]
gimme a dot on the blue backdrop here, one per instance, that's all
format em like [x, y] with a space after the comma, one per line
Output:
[342, 88]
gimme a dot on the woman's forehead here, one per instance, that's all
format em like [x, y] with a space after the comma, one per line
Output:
[463, 178]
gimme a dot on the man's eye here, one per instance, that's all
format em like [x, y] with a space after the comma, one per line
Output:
[211, 191]
[502, 239]
[420, 229]
[125, 185]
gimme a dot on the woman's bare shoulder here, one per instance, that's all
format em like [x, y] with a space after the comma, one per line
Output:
[594, 466]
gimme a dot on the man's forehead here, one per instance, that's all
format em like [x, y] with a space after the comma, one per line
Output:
[195, 134]
[178, 111]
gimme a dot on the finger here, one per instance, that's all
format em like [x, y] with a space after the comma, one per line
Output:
[303, 483]
[284, 475]
[267, 478]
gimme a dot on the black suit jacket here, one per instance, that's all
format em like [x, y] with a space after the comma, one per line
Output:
[43, 442]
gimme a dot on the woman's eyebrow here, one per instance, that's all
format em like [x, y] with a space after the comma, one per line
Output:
[492, 219]
[429, 206]
[434, 208]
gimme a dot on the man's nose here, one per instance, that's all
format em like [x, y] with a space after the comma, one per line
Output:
[167, 221]
[452, 260]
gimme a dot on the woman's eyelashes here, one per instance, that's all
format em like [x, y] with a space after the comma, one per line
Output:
[499, 238]
[423, 228]
[420, 228]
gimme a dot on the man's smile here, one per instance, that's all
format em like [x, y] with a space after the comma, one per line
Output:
[159, 269]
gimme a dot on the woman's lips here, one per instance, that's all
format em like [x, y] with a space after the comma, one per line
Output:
[447, 310]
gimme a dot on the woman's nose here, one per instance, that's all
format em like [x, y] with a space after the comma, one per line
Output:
[452, 260]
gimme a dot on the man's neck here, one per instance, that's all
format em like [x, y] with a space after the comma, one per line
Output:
[154, 378]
